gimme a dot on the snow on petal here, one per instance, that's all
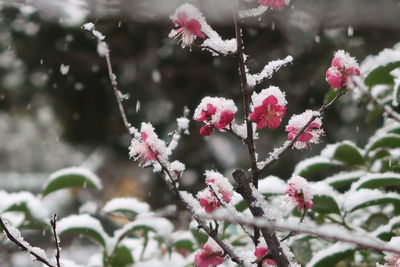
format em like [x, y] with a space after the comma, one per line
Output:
[299, 192]
[212, 255]
[343, 67]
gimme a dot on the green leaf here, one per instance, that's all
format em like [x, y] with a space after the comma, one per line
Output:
[83, 225]
[387, 231]
[71, 177]
[378, 180]
[121, 257]
[301, 249]
[388, 140]
[365, 198]
[308, 167]
[325, 204]
[143, 224]
[129, 206]
[343, 180]
[381, 74]
[376, 220]
[348, 153]
[332, 255]
[199, 235]
[185, 244]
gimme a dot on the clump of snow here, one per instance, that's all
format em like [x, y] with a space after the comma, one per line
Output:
[220, 103]
[220, 185]
[258, 98]
[183, 124]
[272, 185]
[385, 57]
[354, 199]
[64, 69]
[126, 204]
[176, 168]
[254, 12]
[268, 70]
[299, 192]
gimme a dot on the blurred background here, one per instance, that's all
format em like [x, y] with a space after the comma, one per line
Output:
[57, 108]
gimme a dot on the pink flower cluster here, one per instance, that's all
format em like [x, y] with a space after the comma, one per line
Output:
[274, 3]
[393, 260]
[219, 190]
[212, 255]
[312, 133]
[299, 192]
[146, 146]
[343, 66]
[260, 252]
[215, 112]
[187, 19]
[269, 107]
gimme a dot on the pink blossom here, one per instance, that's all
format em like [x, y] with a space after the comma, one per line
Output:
[343, 67]
[269, 107]
[146, 146]
[186, 19]
[208, 200]
[260, 252]
[299, 192]
[220, 185]
[273, 3]
[393, 260]
[212, 255]
[312, 133]
[215, 112]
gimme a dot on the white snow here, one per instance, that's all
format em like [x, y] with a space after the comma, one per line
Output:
[343, 176]
[370, 177]
[123, 204]
[34, 205]
[268, 70]
[64, 69]
[222, 104]
[385, 57]
[258, 98]
[254, 12]
[305, 164]
[336, 248]
[272, 185]
[330, 150]
[356, 198]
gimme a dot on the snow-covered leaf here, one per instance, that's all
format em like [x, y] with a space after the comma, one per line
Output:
[377, 180]
[344, 179]
[385, 231]
[325, 204]
[132, 206]
[387, 140]
[83, 225]
[381, 74]
[71, 177]
[312, 165]
[330, 256]
[366, 197]
[145, 223]
[346, 152]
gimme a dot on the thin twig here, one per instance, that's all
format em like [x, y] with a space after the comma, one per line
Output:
[386, 109]
[282, 150]
[303, 216]
[53, 223]
[13, 239]
[113, 79]
[233, 133]
[215, 51]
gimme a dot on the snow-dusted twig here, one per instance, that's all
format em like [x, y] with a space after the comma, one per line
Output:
[10, 233]
[202, 224]
[326, 232]
[267, 71]
[244, 189]
[278, 152]
[106, 52]
[53, 223]
[385, 108]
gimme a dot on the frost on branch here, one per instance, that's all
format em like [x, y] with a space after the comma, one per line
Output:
[342, 68]
[268, 108]
[220, 185]
[268, 71]
[191, 24]
[215, 112]
[312, 133]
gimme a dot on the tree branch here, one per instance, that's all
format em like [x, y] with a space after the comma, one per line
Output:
[23, 245]
[244, 189]
[53, 223]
